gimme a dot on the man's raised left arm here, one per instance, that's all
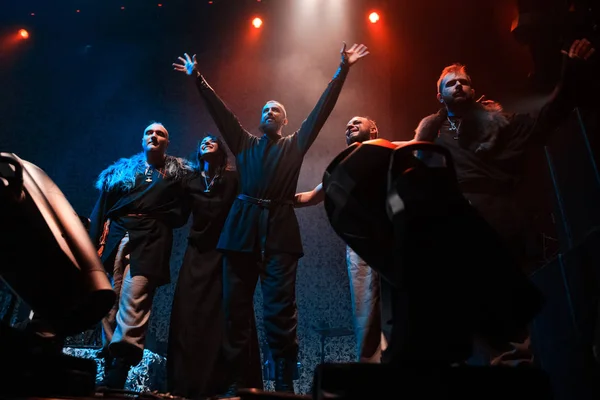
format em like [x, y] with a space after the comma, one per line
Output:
[316, 119]
[564, 97]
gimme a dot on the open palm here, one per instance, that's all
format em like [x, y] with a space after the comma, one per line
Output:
[354, 53]
[188, 66]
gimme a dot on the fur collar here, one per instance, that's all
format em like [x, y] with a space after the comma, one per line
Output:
[122, 174]
[482, 125]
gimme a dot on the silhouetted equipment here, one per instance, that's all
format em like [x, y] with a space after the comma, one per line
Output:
[406, 217]
[49, 261]
[383, 381]
[355, 183]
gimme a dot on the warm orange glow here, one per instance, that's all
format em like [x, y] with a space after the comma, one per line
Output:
[373, 17]
[23, 34]
[257, 22]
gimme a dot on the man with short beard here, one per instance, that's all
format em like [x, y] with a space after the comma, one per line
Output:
[488, 148]
[261, 236]
[132, 224]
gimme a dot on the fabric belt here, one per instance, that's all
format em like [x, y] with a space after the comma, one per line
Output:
[263, 220]
[106, 230]
[265, 203]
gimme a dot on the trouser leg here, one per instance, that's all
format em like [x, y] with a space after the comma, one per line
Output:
[365, 291]
[241, 276]
[278, 283]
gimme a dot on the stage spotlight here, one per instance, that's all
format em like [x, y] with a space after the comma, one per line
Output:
[257, 22]
[373, 17]
[23, 34]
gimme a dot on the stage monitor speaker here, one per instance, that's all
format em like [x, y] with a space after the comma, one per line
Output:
[400, 208]
[47, 257]
[449, 256]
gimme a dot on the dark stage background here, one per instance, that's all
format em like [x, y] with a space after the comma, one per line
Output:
[78, 93]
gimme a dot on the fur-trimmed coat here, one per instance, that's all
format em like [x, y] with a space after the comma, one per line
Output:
[489, 150]
[122, 174]
[489, 154]
[146, 204]
[482, 125]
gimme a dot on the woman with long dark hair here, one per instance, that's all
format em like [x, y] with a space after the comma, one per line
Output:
[195, 367]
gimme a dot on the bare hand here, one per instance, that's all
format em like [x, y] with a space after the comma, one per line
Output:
[189, 64]
[581, 49]
[354, 53]
[485, 102]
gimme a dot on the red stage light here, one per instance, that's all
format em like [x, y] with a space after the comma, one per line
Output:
[373, 17]
[257, 22]
[23, 34]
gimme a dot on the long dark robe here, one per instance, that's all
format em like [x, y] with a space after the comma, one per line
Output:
[269, 169]
[195, 365]
[148, 212]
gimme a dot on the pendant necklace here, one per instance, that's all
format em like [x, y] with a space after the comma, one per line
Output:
[454, 127]
[150, 171]
[207, 184]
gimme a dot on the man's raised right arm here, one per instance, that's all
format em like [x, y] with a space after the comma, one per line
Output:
[232, 131]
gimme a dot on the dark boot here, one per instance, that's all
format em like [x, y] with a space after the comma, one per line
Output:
[115, 373]
[284, 375]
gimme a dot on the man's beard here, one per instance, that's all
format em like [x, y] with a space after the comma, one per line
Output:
[268, 127]
[461, 101]
[358, 138]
